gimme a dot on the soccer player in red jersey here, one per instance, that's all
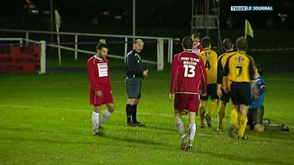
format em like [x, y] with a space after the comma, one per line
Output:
[187, 72]
[100, 86]
[197, 47]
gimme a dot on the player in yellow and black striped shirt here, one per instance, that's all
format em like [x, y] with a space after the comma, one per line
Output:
[210, 61]
[224, 97]
[239, 71]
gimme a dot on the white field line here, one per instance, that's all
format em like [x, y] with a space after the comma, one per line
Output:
[84, 110]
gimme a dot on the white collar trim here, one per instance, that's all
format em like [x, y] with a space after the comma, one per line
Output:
[97, 57]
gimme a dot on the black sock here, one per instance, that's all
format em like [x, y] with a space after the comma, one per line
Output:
[129, 109]
[269, 127]
[134, 114]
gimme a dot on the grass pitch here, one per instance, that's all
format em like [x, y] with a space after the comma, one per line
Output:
[46, 119]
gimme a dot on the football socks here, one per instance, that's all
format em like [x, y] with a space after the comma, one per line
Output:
[221, 114]
[192, 130]
[268, 127]
[212, 107]
[242, 125]
[129, 109]
[201, 112]
[134, 114]
[105, 116]
[234, 118]
[180, 126]
[95, 120]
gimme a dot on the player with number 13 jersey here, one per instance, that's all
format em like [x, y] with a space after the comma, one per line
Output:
[187, 66]
[187, 73]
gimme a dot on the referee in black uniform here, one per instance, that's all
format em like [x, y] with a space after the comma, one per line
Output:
[135, 73]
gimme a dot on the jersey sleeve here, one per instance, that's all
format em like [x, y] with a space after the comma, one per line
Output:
[251, 68]
[173, 74]
[91, 74]
[200, 48]
[252, 60]
[260, 86]
[203, 75]
[226, 68]
[109, 82]
[201, 55]
[109, 76]
[220, 70]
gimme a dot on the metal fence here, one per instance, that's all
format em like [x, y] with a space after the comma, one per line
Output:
[126, 40]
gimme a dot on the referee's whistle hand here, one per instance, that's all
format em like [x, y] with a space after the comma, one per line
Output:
[145, 73]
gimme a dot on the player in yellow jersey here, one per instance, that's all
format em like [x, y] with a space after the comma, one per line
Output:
[224, 97]
[210, 61]
[239, 71]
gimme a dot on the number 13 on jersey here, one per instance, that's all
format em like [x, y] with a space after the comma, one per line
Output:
[189, 70]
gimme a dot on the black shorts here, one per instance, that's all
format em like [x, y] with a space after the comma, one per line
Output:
[240, 93]
[226, 96]
[133, 88]
[255, 116]
[211, 91]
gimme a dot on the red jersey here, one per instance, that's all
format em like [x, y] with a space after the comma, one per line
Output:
[98, 72]
[186, 73]
[197, 49]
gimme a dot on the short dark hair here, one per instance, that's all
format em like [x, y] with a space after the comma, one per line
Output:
[241, 43]
[101, 45]
[205, 42]
[227, 44]
[260, 69]
[187, 42]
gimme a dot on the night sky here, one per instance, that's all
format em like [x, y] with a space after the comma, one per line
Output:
[151, 12]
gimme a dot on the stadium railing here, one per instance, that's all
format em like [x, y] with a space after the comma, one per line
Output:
[127, 39]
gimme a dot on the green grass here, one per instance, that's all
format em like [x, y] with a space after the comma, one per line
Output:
[46, 119]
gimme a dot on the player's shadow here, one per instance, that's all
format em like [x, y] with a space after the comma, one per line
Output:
[58, 141]
[21, 129]
[162, 128]
[145, 141]
[277, 135]
[134, 140]
[46, 140]
[235, 157]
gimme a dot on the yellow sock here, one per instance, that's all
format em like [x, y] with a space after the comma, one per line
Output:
[212, 107]
[242, 125]
[201, 112]
[221, 114]
[234, 118]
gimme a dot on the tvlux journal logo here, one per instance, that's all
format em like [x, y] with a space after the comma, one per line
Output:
[252, 8]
